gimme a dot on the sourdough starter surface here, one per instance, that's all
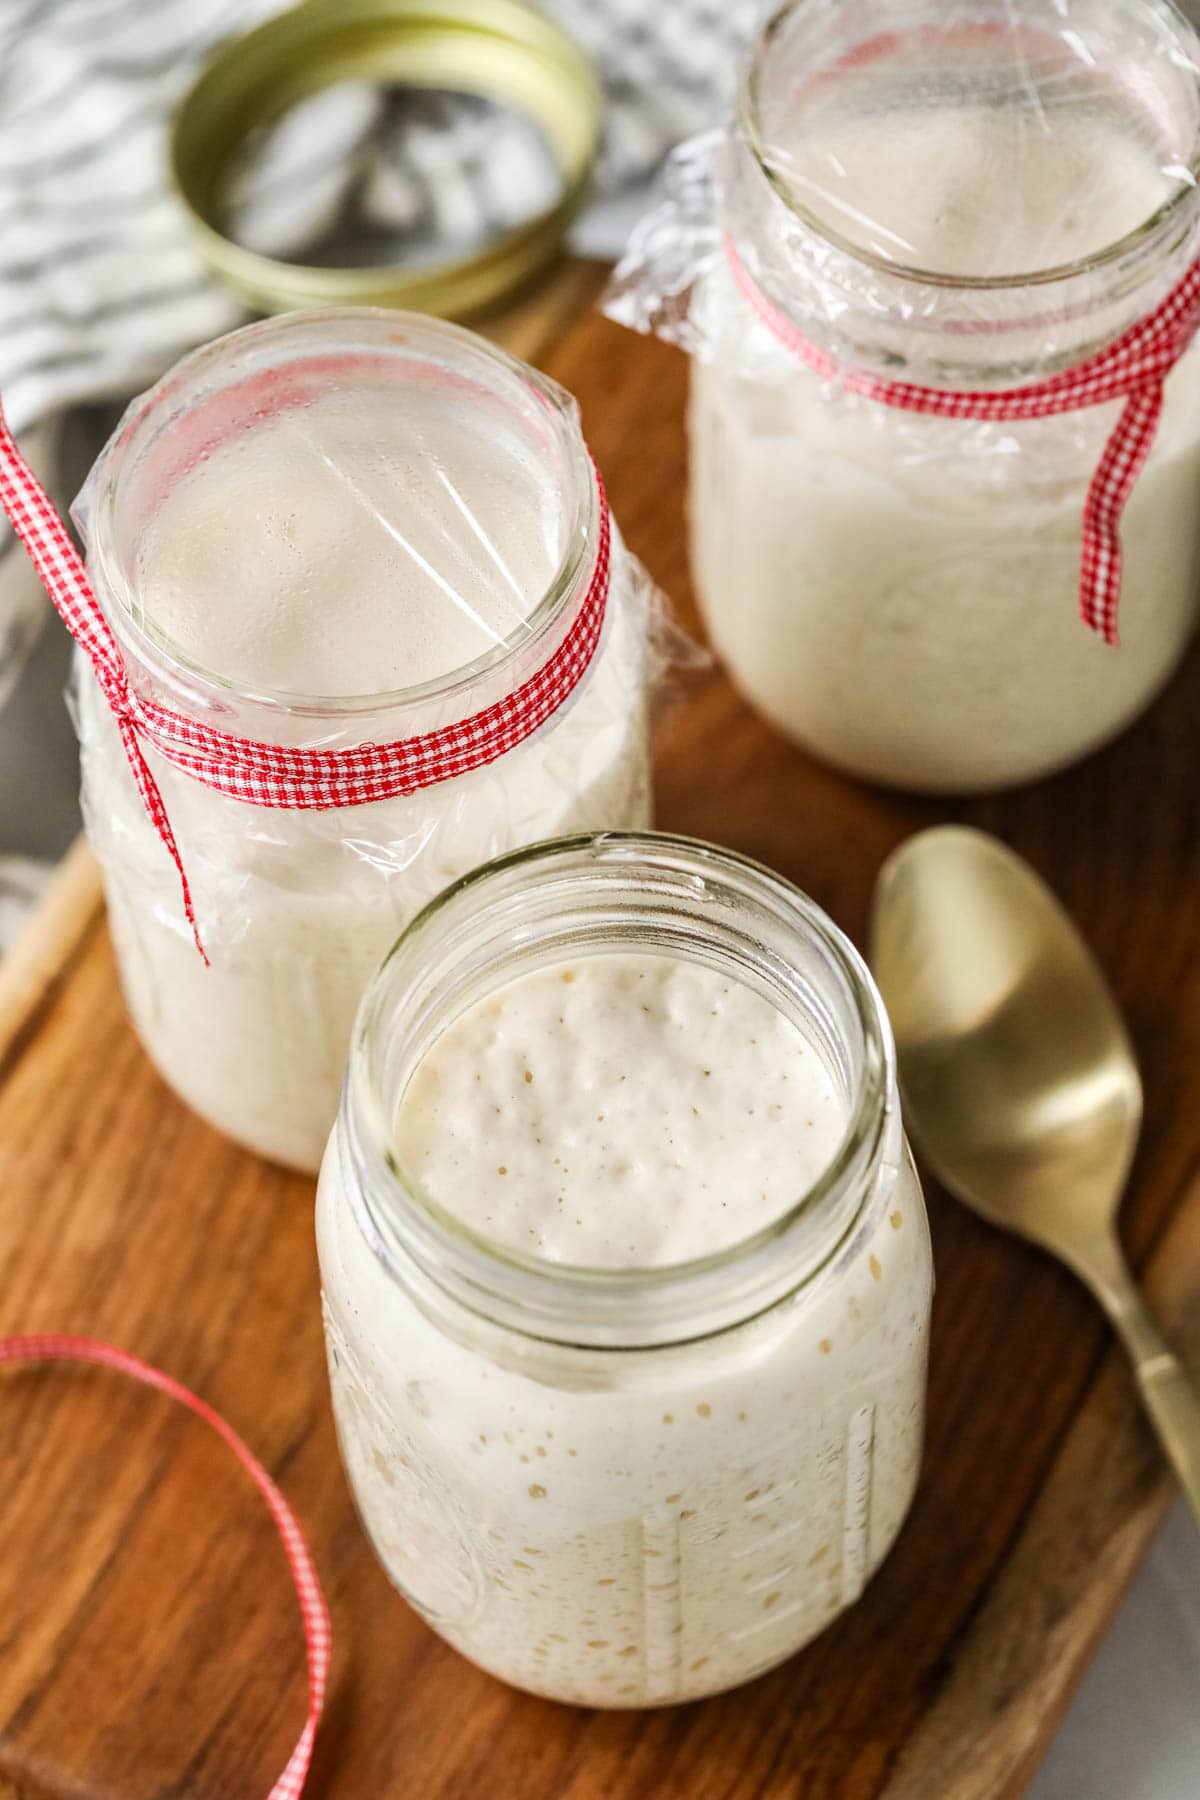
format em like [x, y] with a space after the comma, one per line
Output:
[620, 1112]
[376, 538]
[625, 1528]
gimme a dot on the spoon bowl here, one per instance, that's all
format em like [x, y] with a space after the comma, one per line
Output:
[1020, 1085]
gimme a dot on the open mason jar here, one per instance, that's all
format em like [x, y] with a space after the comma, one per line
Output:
[918, 218]
[625, 1485]
[327, 531]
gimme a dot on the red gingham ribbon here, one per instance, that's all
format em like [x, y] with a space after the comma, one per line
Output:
[1132, 368]
[53, 1347]
[268, 774]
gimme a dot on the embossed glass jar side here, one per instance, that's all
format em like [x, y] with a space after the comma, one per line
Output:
[628, 1487]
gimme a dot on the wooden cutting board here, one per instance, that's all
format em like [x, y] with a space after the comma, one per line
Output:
[149, 1641]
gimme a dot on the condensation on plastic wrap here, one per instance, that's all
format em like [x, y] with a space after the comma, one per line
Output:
[970, 196]
[292, 555]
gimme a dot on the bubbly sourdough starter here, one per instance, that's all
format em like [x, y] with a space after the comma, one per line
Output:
[626, 1528]
[378, 537]
[901, 593]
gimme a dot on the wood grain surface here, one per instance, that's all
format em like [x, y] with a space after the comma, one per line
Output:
[149, 1643]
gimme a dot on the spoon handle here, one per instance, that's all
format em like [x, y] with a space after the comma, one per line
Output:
[1167, 1391]
[1171, 1401]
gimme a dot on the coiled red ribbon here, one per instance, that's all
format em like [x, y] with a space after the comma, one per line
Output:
[269, 774]
[1133, 368]
[52, 1347]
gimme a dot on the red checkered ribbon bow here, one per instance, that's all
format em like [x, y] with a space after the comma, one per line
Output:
[53, 1347]
[268, 774]
[1133, 369]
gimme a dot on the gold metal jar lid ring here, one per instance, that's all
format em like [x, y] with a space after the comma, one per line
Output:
[498, 49]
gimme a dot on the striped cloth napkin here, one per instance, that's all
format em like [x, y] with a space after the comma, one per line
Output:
[99, 289]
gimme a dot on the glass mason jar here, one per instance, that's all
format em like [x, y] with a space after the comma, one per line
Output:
[963, 203]
[297, 907]
[627, 1487]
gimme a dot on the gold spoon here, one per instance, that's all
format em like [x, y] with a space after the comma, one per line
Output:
[1019, 1080]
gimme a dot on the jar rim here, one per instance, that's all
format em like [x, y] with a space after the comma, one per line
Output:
[407, 332]
[591, 1305]
[1136, 240]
